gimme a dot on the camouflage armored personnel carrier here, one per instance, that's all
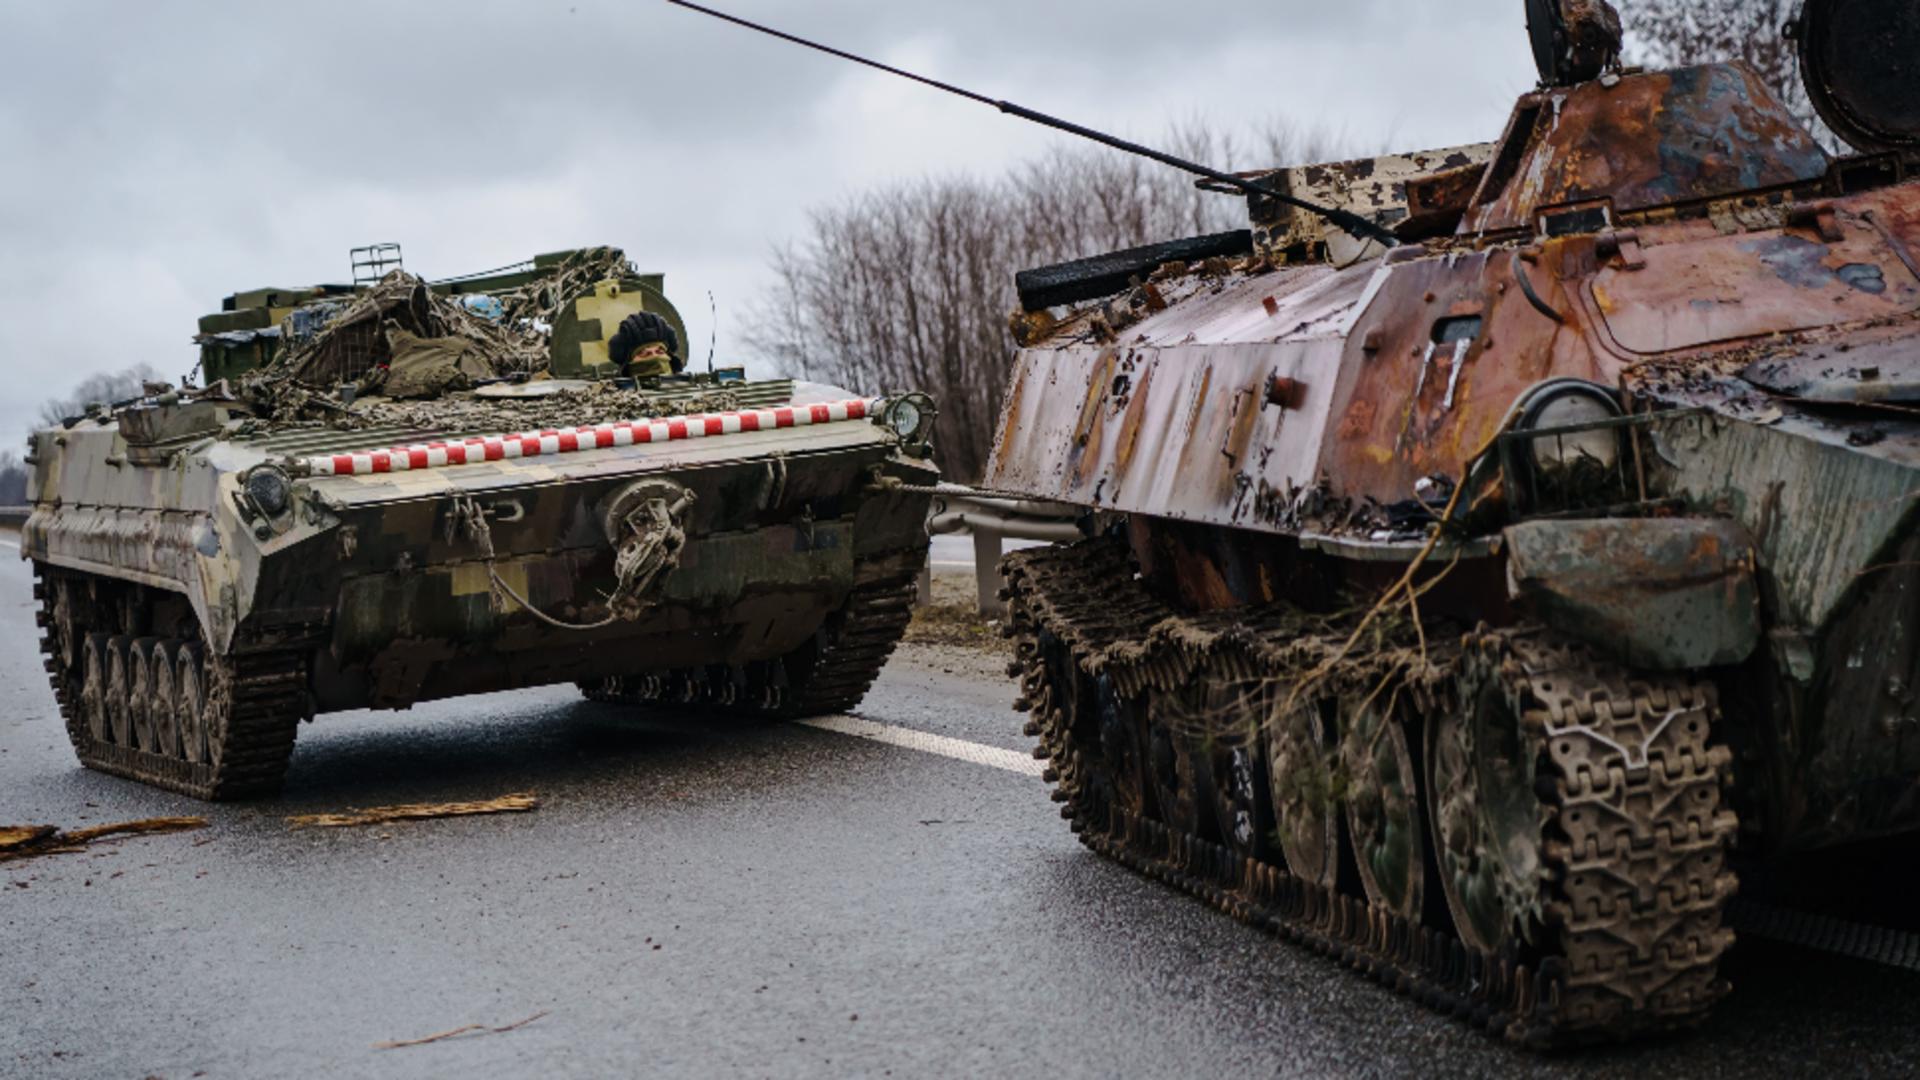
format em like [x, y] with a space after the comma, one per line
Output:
[394, 492]
[1472, 602]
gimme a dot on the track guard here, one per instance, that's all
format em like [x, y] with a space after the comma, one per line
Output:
[1657, 594]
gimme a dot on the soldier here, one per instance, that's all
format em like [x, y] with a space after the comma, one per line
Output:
[646, 347]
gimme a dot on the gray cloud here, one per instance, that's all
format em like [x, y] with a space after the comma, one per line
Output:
[154, 158]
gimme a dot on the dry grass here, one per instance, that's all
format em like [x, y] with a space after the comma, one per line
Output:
[954, 618]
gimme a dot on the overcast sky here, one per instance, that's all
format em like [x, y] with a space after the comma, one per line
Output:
[157, 157]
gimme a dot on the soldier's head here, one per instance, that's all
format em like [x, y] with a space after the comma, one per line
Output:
[646, 345]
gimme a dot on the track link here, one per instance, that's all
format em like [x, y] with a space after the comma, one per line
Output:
[1635, 836]
[1637, 858]
[259, 697]
[830, 674]
[268, 695]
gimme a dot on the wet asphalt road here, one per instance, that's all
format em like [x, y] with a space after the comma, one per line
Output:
[691, 901]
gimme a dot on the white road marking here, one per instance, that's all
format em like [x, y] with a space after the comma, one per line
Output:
[958, 749]
[1821, 933]
[14, 544]
[1874, 944]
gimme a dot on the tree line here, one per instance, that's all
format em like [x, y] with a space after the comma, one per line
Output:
[13, 479]
[105, 388]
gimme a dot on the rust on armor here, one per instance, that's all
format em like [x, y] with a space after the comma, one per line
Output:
[1464, 519]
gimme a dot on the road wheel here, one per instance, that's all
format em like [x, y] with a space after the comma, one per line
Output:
[216, 713]
[1383, 811]
[140, 695]
[1176, 769]
[1488, 823]
[119, 703]
[93, 686]
[1305, 802]
[164, 706]
[1122, 748]
[62, 636]
[190, 704]
[1237, 764]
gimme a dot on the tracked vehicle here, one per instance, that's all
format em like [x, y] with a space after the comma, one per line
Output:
[1487, 544]
[394, 492]
[1463, 600]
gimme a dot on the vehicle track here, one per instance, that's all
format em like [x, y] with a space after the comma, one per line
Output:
[830, 674]
[1632, 831]
[248, 710]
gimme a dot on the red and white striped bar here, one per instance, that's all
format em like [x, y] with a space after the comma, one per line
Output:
[599, 437]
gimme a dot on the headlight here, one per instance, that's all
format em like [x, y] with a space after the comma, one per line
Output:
[1571, 406]
[270, 490]
[904, 418]
[910, 416]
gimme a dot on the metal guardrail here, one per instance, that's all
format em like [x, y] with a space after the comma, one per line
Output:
[991, 522]
[13, 517]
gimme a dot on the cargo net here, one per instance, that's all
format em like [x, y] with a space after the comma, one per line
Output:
[588, 406]
[402, 341]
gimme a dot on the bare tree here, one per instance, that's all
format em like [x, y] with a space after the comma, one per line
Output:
[106, 388]
[1673, 33]
[13, 480]
[909, 286]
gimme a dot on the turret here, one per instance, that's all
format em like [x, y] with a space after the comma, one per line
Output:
[1581, 158]
[583, 295]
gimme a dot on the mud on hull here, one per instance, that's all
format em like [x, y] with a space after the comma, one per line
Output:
[144, 697]
[784, 603]
[397, 640]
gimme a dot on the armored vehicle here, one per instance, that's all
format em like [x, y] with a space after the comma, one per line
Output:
[1475, 594]
[1493, 552]
[393, 492]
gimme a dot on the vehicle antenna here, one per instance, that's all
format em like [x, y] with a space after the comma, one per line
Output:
[713, 325]
[1351, 222]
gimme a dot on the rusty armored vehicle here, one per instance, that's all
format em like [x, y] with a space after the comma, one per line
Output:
[1494, 552]
[1475, 591]
[394, 491]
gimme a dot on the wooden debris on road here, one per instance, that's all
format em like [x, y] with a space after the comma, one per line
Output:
[469, 1030]
[379, 815]
[33, 841]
